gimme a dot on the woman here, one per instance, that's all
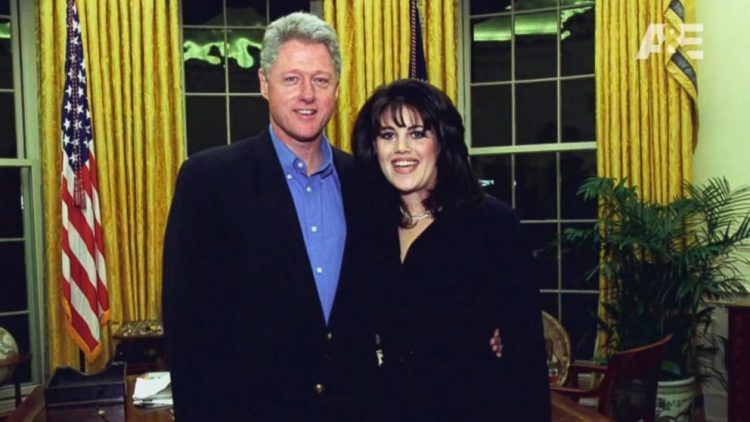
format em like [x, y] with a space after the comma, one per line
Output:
[462, 333]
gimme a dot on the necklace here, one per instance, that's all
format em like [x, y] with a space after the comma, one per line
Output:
[418, 216]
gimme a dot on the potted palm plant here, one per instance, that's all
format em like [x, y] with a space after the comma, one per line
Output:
[665, 264]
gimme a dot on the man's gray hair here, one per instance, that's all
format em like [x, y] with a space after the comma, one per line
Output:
[303, 27]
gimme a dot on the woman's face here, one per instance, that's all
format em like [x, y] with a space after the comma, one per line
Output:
[407, 154]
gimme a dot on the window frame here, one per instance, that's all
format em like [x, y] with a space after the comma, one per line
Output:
[464, 103]
[28, 161]
[315, 7]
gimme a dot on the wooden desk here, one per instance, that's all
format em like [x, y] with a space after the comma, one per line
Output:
[32, 409]
[567, 410]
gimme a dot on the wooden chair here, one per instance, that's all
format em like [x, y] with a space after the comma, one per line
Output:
[627, 391]
[557, 343]
[12, 363]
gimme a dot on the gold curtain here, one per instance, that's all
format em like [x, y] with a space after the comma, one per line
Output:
[132, 55]
[646, 104]
[646, 107]
[374, 37]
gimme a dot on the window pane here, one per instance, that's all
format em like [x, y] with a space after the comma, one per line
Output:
[206, 122]
[199, 12]
[535, 186]
[8, 123]
[536, 45]
[490, 116]
[495, 171]
[7, 108]
[249, 115]
[11, 217]
[6, 55]
[577, 262]
[549, 304]
[18, 327]
[577, 41]
[13, 272]
[579, 319]
[204, 60]
[490, 49]
[4, 7]
[281, 8]
[536, 113]
[578, 110]
[478, 7]
[534, 4]
[544, 254]
[575, 2]
[244, 59]
[575, 167]
[246, 12]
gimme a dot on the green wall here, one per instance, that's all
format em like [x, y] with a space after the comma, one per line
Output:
[724, 135]
[724, 93]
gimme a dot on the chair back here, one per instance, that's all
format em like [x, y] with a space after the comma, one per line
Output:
[628, 389]
[557, 343]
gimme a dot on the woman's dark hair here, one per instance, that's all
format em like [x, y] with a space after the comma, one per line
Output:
[456, 186]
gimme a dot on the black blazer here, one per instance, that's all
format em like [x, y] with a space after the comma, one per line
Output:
[463, 277]
[245, 334]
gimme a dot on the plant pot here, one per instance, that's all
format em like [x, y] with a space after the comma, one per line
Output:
[674, 400]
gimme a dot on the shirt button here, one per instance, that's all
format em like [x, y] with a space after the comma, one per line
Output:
[329, 336]
[314, 229]
[309, 188]
[288, 177]
[319, 388]
[299, 165]
[319, 270]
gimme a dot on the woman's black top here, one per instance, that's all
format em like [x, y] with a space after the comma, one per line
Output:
[464, 276]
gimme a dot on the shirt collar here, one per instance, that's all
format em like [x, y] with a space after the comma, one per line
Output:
[291, 163]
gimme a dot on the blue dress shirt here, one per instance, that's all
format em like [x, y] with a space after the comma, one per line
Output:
[320, 211]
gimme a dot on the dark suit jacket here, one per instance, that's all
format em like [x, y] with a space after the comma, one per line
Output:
[244, 330]
[463, 277]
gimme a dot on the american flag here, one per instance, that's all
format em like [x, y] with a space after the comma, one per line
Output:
[417, 64]
[84, 278]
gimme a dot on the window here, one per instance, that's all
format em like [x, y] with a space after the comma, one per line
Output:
[529, 101]
[221, 52]
[21, 309]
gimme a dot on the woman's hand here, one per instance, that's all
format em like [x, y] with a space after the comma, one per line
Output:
[496, 343]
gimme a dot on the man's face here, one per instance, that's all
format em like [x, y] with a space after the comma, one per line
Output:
[301, 88]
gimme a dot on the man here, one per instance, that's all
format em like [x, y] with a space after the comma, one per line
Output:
[262, 308]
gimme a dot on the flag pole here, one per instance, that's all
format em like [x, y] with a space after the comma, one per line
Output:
[417, 64]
